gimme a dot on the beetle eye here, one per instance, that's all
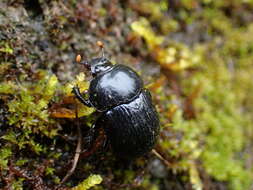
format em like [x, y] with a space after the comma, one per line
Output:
[88, 66]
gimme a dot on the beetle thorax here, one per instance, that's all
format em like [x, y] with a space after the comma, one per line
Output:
[118, 85]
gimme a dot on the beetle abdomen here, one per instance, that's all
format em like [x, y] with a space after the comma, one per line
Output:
[132, 128]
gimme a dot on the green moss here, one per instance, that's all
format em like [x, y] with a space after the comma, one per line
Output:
[175, 56]
[223, 128]
[205, 104]
[88, 183]
[28, 109]
[216, 135]
[5, 48]
[18, 184]
[28, 117]
[5, 153]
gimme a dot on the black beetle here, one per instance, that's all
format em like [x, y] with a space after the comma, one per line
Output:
[129, 119]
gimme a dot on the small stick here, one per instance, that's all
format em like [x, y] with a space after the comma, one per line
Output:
[161, 158]
[77, 153]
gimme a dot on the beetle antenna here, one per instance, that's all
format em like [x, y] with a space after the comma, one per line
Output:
[103, 52]
[78, 58]
[101, 45]
[79, 61]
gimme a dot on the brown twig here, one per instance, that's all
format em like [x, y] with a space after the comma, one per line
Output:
[78, 150]
[161, 158]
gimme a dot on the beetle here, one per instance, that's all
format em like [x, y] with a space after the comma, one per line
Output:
[127, 115]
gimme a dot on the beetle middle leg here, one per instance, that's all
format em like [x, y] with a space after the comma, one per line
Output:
[97, 140]
[79, 96]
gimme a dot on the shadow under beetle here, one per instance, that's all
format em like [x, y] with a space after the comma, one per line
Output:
[129, 119]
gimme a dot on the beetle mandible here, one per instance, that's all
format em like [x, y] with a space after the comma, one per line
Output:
[128, 117]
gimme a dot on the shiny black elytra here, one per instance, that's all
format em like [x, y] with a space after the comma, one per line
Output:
[128, 117]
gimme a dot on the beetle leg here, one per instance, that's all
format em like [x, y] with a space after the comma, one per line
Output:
[96, 143]
[90, 137]
[79, 96]
[105, 144]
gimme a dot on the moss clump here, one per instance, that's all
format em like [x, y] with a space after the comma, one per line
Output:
[28, 109]
[174, 56]
[88, 183]
[209, 125]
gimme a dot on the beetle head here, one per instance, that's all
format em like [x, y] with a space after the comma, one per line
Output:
[97, 65]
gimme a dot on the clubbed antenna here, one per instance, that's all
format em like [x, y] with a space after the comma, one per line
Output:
[101, 45]
[79, 60]
[93, 62]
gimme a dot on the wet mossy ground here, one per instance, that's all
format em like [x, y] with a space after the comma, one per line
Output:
[195, 57]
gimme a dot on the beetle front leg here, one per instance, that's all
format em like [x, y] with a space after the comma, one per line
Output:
[79, 96]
